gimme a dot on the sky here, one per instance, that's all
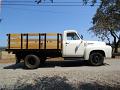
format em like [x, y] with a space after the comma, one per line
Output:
[39, 19]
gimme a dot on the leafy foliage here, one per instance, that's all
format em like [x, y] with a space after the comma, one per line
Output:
[106, 21]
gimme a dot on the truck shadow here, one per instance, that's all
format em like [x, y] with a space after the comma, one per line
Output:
[52, 64]
[65, 64]
[14, 66]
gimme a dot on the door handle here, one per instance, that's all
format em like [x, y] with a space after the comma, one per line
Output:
[66, 43]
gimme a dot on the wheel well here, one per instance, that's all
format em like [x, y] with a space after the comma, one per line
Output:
[98, 51]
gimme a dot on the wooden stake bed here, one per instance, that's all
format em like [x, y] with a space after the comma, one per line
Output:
[35, 41]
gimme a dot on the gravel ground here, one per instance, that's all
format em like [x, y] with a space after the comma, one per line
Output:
[74, 75]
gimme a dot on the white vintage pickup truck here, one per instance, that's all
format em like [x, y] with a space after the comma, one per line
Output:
[35, 48]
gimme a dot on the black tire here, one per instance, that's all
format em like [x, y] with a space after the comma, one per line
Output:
[96, 59]
[32, 61]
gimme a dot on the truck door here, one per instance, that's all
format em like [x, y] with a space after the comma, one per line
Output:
[74, 46]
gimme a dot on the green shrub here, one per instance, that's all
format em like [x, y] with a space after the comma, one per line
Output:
[0, 54]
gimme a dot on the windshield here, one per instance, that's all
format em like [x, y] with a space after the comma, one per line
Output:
[81, 36]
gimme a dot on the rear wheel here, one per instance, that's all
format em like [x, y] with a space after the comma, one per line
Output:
[96, 59]
[32, 61]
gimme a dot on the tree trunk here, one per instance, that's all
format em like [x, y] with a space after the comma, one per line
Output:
[116, 48]
[115, 42]
[117, 45]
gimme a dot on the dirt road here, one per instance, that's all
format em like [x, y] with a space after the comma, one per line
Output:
[74, 75]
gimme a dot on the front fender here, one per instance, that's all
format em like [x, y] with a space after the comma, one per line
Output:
[105, 48]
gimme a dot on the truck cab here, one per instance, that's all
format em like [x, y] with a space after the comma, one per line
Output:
[75, 46]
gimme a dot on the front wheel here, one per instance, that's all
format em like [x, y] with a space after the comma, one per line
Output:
[96, 59]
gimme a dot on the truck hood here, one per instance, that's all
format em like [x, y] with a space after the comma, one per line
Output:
[95, 43]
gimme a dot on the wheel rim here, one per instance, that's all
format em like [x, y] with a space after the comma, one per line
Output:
[31, 61]
[96, 59]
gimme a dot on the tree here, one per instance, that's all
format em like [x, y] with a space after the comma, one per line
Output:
[106, 22]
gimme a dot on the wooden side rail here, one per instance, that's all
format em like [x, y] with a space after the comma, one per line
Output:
[35, 41]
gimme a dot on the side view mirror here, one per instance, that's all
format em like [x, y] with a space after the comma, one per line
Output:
[81, 36]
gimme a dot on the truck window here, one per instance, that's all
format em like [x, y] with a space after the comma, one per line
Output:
[72, 36]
